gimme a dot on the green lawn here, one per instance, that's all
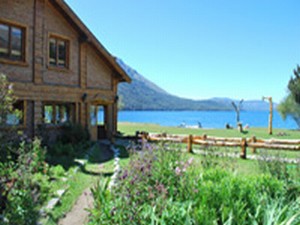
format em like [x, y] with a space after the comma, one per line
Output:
[85, 177]
[131, 128]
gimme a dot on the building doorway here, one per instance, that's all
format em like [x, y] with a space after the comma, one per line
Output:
[98, 124]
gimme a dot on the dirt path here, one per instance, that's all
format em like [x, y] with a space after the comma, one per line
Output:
[78, 215]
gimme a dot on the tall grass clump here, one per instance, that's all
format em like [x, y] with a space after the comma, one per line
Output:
[160, 186]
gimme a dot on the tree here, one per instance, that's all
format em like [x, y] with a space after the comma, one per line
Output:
[6, 99]
[290, 106]
[294, 85]
[237, 109]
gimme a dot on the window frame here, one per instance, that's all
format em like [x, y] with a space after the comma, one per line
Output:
[23, 28]
[57, 113]
[67, 42]
[23, 119]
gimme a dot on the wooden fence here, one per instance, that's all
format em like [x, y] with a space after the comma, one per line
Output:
[244, 143]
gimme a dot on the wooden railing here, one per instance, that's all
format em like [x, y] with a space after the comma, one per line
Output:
[243, 143]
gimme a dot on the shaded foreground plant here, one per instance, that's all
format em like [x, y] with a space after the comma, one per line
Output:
[167, 187]
[25, 184]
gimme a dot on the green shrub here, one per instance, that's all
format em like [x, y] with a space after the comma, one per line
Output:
[56, 172]
[60, 149]
[166, 187]
[74, 134]
[288, 173]
[25, 184]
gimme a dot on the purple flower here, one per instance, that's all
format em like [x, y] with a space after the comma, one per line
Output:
[177, 171]
[125, 174]
[142, 168]
[190, 161]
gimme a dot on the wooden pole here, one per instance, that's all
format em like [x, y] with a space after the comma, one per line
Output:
[190, 144]
[253, 141]
[144, 139]
[270, 114]
[243, 154]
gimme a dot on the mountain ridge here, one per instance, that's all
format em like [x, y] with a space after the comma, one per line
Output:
[143, 94]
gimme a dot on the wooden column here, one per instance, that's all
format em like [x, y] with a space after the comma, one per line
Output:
[38, 41]
[83, 114]
[115, 83]
[109, 124]
[77, 112]
[253, 141]
[271, 116]
[38, 117]
[190, 144]
[243, 154]
[270, 113]
[83, 65]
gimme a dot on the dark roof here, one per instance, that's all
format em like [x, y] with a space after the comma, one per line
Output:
[88, 36]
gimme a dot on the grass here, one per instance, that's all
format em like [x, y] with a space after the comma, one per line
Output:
[163, 186]
[91, 173]
[85, 177]
[131, 128]
[262, 133]
[77, 184]
[240, 166]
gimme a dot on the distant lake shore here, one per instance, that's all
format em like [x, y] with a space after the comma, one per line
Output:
[207, 119]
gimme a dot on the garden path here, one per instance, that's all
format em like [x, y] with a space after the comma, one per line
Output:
[79, 214]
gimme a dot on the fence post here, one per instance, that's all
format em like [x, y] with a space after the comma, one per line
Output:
[243, 154]
[253, 141]
[190, 144]
[144, 139]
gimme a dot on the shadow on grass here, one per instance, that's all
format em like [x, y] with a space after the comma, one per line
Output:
[68, 156]
[244, 132]
[102, 153]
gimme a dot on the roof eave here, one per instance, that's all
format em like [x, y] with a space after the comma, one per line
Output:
[89, 36]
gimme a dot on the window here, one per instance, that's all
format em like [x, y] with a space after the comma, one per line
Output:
[58, 52]
[16, 117]
[12, 45]
[54, 113]
[96, 115]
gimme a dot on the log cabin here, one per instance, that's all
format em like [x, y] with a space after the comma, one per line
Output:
[59, 70]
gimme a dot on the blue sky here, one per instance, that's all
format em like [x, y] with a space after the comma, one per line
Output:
[202, 48]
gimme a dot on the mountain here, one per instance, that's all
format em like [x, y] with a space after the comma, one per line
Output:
[143, 94]
[247, 105]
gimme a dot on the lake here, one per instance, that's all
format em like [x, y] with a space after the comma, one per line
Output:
[208, 119]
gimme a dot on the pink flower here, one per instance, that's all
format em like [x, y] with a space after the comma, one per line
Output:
[177, 171]
[190, 161]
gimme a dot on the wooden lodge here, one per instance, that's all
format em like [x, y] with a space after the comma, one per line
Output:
[59, 70]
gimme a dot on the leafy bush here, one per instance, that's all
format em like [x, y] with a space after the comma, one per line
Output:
[24, 184]
[74, 134]
[60, 149]
[56, 172]
[166, 187]
[288, 173]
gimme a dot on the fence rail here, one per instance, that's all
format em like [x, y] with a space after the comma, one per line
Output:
[243, 143]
